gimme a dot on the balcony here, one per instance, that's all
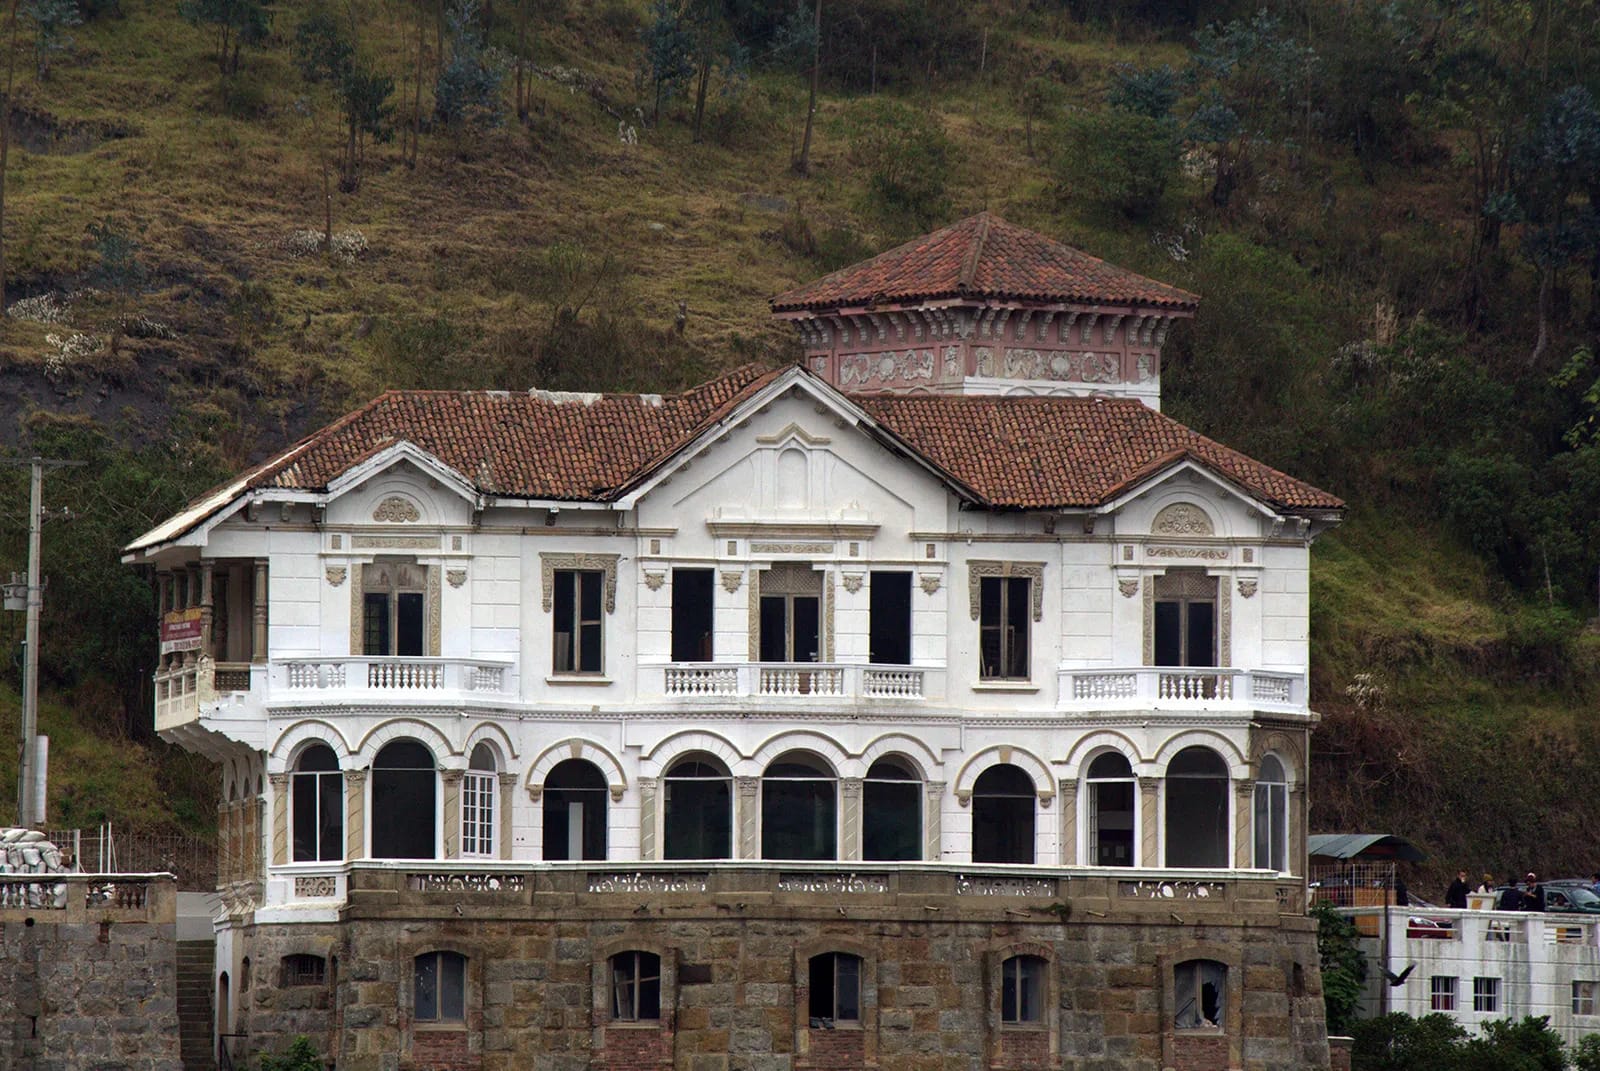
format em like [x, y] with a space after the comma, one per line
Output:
[183, 690]
[355, 679]
[792, 681]
[1147, 688]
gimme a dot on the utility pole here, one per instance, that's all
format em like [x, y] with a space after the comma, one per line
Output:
[30, 786]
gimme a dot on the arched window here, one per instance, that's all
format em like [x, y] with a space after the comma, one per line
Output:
[1022, 990]
[1272, 816]
[799, 809]
[302, 968]
[1197, 809]
[891, 816]
[698, 801]
[635, 987]
[440, 987]
[316, 799]
[1109, 811]
[479, 790]
[1002, 815]
[404, 790]
[1199, 989]
[835, 988]
[575, 811]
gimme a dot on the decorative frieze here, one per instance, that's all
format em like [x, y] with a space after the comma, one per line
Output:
[791, 548]
[477, 882]
[1056, 365]
[316, 887]
[977, 570]
[1210, 554]
[604, 563]
[880, 369]
[1171, 890]
[979, 885]
[370, 542]
[396, 510]
[665, 881]
[833, 884]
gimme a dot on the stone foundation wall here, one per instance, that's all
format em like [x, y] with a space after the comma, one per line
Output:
[734, 976]
[82, 988]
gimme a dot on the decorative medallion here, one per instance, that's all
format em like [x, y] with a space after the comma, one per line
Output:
[1129, 588]
[336, 574]
[929, 584]
[1247, 588]
[1182, 519]
[731, 582]
[852, 582]
[653, 581]
[457, 577]
[396, 510]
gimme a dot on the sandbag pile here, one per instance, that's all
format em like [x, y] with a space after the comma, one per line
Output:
[27, 852]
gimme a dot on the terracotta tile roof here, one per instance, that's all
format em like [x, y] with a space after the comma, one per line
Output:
[1040, 453]
[1005, 453]
[982, 257]
[534, 445]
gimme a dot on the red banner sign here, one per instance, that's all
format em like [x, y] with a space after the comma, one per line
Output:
[180, 630]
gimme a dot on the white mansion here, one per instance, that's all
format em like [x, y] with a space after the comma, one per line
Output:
[950, 594]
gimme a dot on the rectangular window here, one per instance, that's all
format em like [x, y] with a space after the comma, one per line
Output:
[477, 814]
[1200, 987]
[635, 987]
[1022, 990]
[1004, 616]
[1443, 990]
[440, 987]
[835, 988]
[578, 601]
[692, 605]
[375, 625]
[1583, 998]
[889, 619]
[1486, 994]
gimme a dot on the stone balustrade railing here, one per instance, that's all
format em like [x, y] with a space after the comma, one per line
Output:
[798, 681]
[396, 677]
[1202, 688]
[61, 898]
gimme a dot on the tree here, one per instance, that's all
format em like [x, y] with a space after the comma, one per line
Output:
[468, 90]
[5, 138]
[324, 53]
[669, 51]
[51, 20]
[1344, 968]
[1118, 158]
[235, 22]
[802, 164]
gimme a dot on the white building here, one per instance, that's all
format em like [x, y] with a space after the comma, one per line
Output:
[767, 618]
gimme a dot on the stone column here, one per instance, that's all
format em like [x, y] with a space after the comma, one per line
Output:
[1069, 822]
[747, 817]
[258, 819]
[850, 818]
[508, 799]
[1298, 863]
[647, 818]
[279, 783]
[451, 782]
[933, 821]
[1243, 842]
[258, 618]
[206, 605]
[225, 846]
[1149, 819]
[355, 814]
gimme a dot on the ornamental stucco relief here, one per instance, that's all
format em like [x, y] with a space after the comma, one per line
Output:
[1182, 519]
[604, 563]
[1059, 365]
[396, 510]
[871, 369]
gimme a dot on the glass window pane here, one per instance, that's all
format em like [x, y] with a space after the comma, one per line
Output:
[848, 1001]
[1008, 990]
[1168, 637]
[1261, 814]
[622, 968]
[592, 584]
[562, 623]
[1018, 616]
[427, 987]
[408, 624]
[330, 831]
[589, 648]
[452, 987]
[375, 624]
[305, 817]
[1202, 645]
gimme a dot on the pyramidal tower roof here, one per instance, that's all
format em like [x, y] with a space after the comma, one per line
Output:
[982, 258]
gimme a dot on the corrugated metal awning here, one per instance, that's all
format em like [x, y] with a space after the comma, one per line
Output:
[1363, 846]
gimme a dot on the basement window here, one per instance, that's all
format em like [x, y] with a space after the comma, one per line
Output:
[440, 987]
[1022, 991]
[636, 987]
[835, 988]
[1199, 985]
[302, 968]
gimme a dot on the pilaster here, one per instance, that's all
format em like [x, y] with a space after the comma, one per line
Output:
[1243, 842]
[258, 614]
[451, 782]
[850, 818]
[748, 816]
[508, 799]
[933, 821]
[355, 814]
[279, 783]
[1149, 821]
[1069, 822]
[647, 818]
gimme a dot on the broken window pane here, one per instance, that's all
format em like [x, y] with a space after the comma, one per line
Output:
[575, 811]
[799, 809]
[1003, 801]
[1004, 617]
[404, 816]
[891, 821]
[1199, 986]
[1197, 809]
[635, 986]
[698, 803]
[577, 606]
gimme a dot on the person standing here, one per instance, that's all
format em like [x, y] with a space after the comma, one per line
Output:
[1456, 895]
[1533, 897]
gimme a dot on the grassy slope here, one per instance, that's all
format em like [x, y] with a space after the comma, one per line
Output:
[279, 343]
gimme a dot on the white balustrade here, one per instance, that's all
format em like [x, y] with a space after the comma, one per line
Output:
[391, 676]
[1202, 687]
[787, 680]
[880, 683]
[702, 680]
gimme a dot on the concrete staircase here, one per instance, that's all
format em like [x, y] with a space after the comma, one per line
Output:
[196, 1017]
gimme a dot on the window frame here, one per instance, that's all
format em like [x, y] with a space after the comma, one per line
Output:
[315, 779]
[1021, 975]
[480, 805]
[634, 978]
[1584, 991]
[1275, 793]
[1443, 997]
[1012, 605]
[1189, 977]
[1092, 831]
[832, 964]
[293, 972]
[1486, 995]
[390, 593]
[439, 1020]
[579, 580]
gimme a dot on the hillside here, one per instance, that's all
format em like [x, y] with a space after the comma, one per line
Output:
[1364, 324]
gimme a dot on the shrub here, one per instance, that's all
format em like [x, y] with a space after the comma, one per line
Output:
[1344, 968]
[301, 1056]
[906, 155]
[1118, 158]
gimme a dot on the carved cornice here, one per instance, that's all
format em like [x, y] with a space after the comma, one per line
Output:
[978, 570]
[602, 563]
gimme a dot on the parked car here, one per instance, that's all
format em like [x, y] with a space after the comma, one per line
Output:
[1574, 898]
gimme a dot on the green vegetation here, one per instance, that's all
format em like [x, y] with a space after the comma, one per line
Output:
[214, 242]
[1344, 968]
[1397, 1042]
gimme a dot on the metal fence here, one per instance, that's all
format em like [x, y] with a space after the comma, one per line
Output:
[105, 850]
[1353, 883]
